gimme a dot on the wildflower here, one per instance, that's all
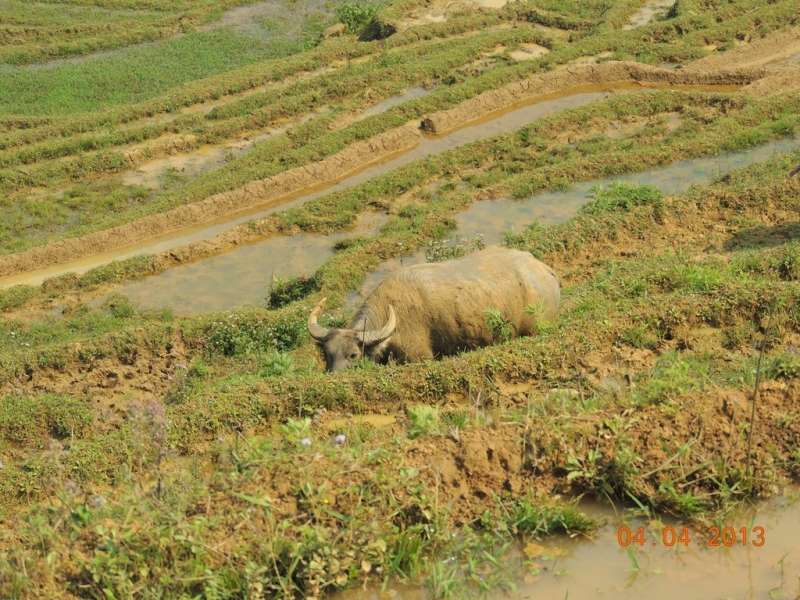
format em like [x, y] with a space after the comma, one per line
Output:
[99, 501]
[339, 439]
[305, 442]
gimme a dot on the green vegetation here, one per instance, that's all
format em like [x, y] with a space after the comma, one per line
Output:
[134, 76]
[146, 454]
[44, 30]
[398, 62]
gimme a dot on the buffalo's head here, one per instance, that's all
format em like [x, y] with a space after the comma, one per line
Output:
[343, 347]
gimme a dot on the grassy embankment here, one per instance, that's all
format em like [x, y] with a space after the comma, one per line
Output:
[41, 31]
[679, 319]
[105, 202]
[664, 301]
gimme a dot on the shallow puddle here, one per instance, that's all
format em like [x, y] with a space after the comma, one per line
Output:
[528, 52]
[491, 217]
[410, 94]
[652, 11]
[560, 567]
[241, 277]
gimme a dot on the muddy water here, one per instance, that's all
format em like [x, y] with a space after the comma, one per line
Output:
[510, 121]
[651, 11]
[492, 217]
[489, 218]
[528, 52]
[498, 122]
[410, 94]
[243, 276]
[561, 567]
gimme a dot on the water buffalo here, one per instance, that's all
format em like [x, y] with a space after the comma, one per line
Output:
[429, 311]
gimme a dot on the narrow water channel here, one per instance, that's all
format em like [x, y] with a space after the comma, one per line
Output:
[494, 124]
[242, 276]
[490, 218]
[561, 567]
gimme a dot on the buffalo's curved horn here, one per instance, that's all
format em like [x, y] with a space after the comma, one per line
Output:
[317, 331]
[376, 336]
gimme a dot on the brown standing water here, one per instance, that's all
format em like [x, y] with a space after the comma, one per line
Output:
[242, 276]
[560, 567]
[490, 218]
[495, 123]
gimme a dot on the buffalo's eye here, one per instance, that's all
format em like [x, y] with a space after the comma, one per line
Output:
[354, 356]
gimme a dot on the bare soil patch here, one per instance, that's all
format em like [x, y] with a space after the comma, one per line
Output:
[571, 77]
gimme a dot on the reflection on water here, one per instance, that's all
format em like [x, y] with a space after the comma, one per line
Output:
[241, 277]
[491, 217]
[599, 568]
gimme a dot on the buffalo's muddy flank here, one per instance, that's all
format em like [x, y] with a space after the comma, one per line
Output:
[650, 369]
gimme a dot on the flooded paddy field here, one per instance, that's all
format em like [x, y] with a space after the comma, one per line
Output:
[167, 428]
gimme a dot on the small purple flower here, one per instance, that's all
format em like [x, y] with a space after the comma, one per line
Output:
[339, 439]
[305, 442]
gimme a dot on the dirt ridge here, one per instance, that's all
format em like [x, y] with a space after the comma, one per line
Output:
[219, 205]
[751, 54]
[572, 76]
[360, 155]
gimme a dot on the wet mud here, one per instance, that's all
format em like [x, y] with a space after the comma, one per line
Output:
[757, 53]
[598, 566]
[483, 107]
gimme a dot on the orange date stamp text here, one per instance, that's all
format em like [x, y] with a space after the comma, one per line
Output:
[725, 536]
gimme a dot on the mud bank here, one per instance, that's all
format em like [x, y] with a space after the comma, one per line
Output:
[510, 95]
[567, 80]
[255, 193]
[752, 54]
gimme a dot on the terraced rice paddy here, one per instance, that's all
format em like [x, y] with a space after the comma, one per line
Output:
[181, 182]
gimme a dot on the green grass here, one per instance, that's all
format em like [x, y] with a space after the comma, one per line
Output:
[40, 31]
[229, 485]
[97, 152]
[135, 75]
[586, 442]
